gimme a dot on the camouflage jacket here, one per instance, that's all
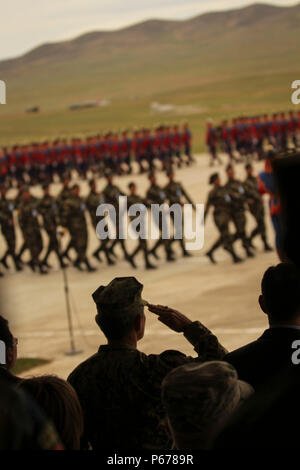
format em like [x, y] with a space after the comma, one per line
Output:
[175, 192]
[28, 216]
[251, 189]
[92, 202]
[237, 193]
[6, 212]
[73, 213]
[156, 195]
[48, 208]
[219, 199]
[111, 195]
[119, 389]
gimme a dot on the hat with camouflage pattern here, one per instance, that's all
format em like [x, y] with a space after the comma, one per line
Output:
[200, 398]
[122, 293]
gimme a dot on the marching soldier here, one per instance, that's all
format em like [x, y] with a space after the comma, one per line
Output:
[48, 209]
[219, 199]
[256, 207]
[64, 194]
[92, 202]
[157, 195]
[29, 224]
[175, 194]
[8, 229]
[111, 195]
[73, 217]
[133, 198]
[238, 200]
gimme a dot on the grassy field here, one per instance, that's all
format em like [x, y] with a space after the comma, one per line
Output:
[218, 65]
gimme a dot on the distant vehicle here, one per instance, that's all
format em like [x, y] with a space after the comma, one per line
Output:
[34, 109]
[89, 104]
[162, 108]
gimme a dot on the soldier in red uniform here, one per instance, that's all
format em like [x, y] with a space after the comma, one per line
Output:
[187, 143]
[211, 142]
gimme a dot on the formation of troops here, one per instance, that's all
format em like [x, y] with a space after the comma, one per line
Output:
[247, 137]
[230, 203]
[41, 162]
[68, 212]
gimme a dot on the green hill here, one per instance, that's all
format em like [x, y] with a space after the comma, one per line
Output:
[217, 64]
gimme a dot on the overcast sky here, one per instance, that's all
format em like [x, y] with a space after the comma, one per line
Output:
[26, 24]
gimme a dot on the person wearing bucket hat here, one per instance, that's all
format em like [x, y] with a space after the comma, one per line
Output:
[119, 387]
[199, 400]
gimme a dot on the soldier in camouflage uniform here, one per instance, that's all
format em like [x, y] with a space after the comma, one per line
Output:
[219, 199]
[111, 195]
[64, 194]
[48, 209]
[238, 198]
[8, 229]
[157, 195]
[175, 194]
[92, 202]
[256, 207]
[73, 217]
[133, 198]
[119, 387]
[30, 227]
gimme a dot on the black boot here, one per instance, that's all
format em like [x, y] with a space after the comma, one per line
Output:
[42, 269]
[17, 264]
[31, 264]
[76, 265]
[130, 260]
[235, 257]
[249, 253]
[267, 247]
[170, 256]
[96, 255]
[90, 268]
[209, 254]
[148, 265]
[4, 262]
[61, 261]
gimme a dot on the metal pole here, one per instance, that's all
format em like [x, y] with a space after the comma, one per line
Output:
[73, 350]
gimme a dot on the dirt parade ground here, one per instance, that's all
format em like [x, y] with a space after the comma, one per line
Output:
[222, 296]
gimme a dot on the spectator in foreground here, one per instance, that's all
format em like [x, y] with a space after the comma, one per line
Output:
[269, 419]
[10, 343]
[119, 387]
[60, 403]
[23, 426]
[280, 301]
[199, 400]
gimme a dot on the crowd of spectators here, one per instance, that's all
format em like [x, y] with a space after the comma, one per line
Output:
[121, 398]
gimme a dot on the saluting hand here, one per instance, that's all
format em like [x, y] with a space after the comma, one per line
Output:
[170, 317]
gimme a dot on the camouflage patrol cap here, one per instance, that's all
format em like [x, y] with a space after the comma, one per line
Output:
[200, 398]
[213, 177]
[121, 294]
